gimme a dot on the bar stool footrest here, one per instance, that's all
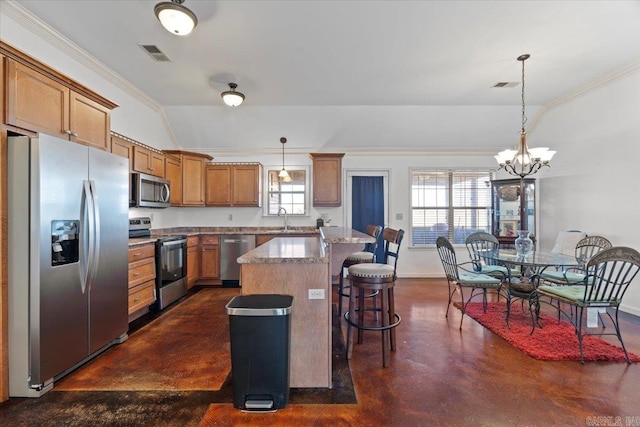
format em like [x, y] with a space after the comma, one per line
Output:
[397, 317]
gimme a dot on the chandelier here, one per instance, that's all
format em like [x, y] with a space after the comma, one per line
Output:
[523, 160]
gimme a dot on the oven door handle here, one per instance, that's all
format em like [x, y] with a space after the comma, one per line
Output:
[174, 243]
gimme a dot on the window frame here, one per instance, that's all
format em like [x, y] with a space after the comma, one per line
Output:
[450, 206]
[307, 189]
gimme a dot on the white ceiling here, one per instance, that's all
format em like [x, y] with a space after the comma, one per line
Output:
[411, 70]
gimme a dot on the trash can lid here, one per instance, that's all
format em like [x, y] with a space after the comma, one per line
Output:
[260, 305]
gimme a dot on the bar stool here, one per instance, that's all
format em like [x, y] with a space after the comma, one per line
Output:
[368, 255]
[381, 278]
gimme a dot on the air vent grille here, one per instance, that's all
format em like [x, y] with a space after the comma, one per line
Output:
[506, 84]
[155, 52]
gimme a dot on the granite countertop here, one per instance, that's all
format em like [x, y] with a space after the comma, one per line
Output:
[195, 231]
[234, 230]
[287, 250]
[139, 241]
[344, 235]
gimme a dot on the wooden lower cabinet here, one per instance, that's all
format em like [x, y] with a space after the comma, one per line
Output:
[142, 279]
[193, 260]
[210, 258]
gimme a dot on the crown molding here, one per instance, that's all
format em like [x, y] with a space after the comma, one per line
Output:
[360, 152]
[605, 80]
[35, 25]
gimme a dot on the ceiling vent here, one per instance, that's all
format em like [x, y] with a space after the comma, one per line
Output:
[155, 52]
[506, 84]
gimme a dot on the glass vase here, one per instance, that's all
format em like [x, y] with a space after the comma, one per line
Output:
[523, 244]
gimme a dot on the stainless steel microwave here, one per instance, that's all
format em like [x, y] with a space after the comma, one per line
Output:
[148, 191]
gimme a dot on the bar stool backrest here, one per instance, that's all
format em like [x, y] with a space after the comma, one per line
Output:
[374, 231]
[392, 240]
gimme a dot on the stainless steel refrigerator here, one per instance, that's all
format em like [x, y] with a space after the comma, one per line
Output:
[68, 258]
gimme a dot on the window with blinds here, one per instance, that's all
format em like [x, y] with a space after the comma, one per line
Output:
[450, 203]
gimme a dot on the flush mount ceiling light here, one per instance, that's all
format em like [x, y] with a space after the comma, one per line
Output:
[231, 97]
[523, 160]
[175, 18]
[283, 175]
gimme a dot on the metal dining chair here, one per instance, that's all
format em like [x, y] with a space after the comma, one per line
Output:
[462, 276]
[585, 249]
[608, 276]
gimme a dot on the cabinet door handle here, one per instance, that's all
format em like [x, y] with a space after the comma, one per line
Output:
[75, 134]
[136, 299]
[67, 131]
[136, 274]
[137, 254]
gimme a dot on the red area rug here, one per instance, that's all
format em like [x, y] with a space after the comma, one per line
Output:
[553, 342]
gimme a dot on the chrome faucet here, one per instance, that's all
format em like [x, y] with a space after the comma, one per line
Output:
[286, 221]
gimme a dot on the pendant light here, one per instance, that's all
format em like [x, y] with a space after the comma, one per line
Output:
[524, 160]
[175, 18]
[231, 97]
[284, 175]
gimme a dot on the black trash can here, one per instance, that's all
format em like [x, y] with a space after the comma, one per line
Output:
[260, 329]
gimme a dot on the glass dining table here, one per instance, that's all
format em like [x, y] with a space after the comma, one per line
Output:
[529, 268]
[531, 264]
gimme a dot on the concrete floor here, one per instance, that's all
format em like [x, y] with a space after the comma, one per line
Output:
[440, 375]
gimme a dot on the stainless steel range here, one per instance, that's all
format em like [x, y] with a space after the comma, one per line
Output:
[171, 269]
[171, 262]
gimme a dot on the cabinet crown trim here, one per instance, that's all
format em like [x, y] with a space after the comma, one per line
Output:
[26, 60]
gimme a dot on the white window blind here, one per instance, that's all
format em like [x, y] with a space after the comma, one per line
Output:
[450, 203]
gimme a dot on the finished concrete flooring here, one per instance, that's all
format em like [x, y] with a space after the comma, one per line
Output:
[438, 375]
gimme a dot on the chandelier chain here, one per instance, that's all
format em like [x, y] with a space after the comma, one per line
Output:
[524, 117]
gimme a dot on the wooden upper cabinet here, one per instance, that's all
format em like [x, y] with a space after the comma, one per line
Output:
[173, 172]
[122, 148]
[146, 160]
[89, 122]
[327, 179]
[218, 185]
[247, 190]
[233, 184]
[192, 180]
[192, 165]
[38, 102]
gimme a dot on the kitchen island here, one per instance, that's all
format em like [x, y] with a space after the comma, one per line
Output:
[303, 267]
[342, 242]
[297, 266]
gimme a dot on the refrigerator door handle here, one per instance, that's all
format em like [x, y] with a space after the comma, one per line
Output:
[86, 243]
[95, 236]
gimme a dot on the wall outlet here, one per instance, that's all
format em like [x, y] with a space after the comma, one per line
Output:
[316, 293]
[230, 217]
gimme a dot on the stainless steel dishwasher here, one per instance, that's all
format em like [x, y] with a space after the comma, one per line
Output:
[231, 247]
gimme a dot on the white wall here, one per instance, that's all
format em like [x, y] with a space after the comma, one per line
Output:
[139, 119]
[593, 182]
[591, 185]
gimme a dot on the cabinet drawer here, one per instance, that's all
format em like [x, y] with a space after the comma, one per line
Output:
[210, 239]
[141, 271]
[192, 241]
[140, 252]
[142, 296]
